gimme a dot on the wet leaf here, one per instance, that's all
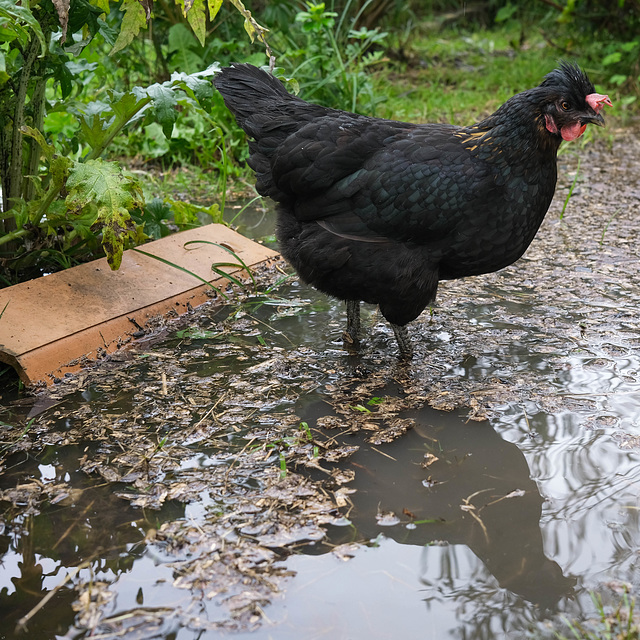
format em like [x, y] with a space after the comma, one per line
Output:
[345, 551]
[429, 459]
[105, 186]
[387, 518]
[135, 18]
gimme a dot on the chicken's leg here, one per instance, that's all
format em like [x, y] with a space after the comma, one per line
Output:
[404, 342]
[350, 336]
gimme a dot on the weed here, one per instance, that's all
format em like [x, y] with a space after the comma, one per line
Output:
[244, 208]
[56, 185]
[6, 447]
[330, 57]
[606, 227]
[304, 427]
[360, 408]
[571, 188]
[283, 465]
[191, 273]
[216, 267]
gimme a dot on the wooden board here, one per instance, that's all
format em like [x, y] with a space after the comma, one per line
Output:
[57, 323]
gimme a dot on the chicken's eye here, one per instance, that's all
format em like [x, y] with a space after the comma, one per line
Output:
[565, 106]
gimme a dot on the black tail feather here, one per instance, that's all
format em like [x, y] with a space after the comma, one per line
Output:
[249, 91]
[267, 113]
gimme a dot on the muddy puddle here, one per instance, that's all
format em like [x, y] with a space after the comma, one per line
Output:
[238, 474]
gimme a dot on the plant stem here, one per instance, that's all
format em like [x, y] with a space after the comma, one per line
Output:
[115, 129]
[14, 189]
[46, 202]
[12, 235]
[224, 176]
[37, 102]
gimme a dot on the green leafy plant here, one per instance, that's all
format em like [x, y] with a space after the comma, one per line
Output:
[623, 63]
[330, 57]
[60, 197]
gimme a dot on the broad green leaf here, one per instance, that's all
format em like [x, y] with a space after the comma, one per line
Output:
[94, 130]
[4, 76]
[47, 148]
[101, 4]
[16, 14]
[127, 105]
[164, 102]
[134, 19]
[84, 18]
[109, 34]
[59, 167]
[10, 31]
[196, 85]
[186, 213]
[612, 58]
[197, 18]
[214, 7]
[181, 45]
[114, 194]
[504, 13]
[103, 121]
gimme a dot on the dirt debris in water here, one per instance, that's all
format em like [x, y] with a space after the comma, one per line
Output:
[217, 421]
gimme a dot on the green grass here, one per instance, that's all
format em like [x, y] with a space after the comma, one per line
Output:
[462, 77]
[452, 76]
[459, 77]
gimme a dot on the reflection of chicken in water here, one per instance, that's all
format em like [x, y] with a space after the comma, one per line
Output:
[475, 467]
[380, 211]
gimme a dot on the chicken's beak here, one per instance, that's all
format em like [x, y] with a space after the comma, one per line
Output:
[596, 119]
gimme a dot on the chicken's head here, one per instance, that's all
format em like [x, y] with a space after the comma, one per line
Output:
[571, 102]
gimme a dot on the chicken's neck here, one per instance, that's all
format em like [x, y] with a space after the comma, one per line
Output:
[517, 129]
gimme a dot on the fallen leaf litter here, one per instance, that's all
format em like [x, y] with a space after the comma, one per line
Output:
[216, 422]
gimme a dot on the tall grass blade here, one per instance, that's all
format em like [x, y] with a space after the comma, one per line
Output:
[177, 266]
[245, 208]
[573, 184]
[229, 251]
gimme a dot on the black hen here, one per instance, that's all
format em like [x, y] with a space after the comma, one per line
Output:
[379, 211]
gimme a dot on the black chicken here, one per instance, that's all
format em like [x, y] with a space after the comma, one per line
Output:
[379, 211]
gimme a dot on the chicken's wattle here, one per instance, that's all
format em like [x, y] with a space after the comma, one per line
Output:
[572, 131]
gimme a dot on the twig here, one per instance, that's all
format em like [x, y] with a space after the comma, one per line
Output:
[555, 5]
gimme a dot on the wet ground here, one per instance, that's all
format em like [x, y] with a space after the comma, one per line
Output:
[240, 475]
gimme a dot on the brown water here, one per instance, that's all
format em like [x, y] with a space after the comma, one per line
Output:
[148, 498]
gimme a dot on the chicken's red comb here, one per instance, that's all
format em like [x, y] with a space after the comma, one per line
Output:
[597, 101]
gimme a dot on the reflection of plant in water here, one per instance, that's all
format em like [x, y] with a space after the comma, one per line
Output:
[618, 624]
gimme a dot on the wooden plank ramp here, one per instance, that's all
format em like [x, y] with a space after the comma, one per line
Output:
[60, 322]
